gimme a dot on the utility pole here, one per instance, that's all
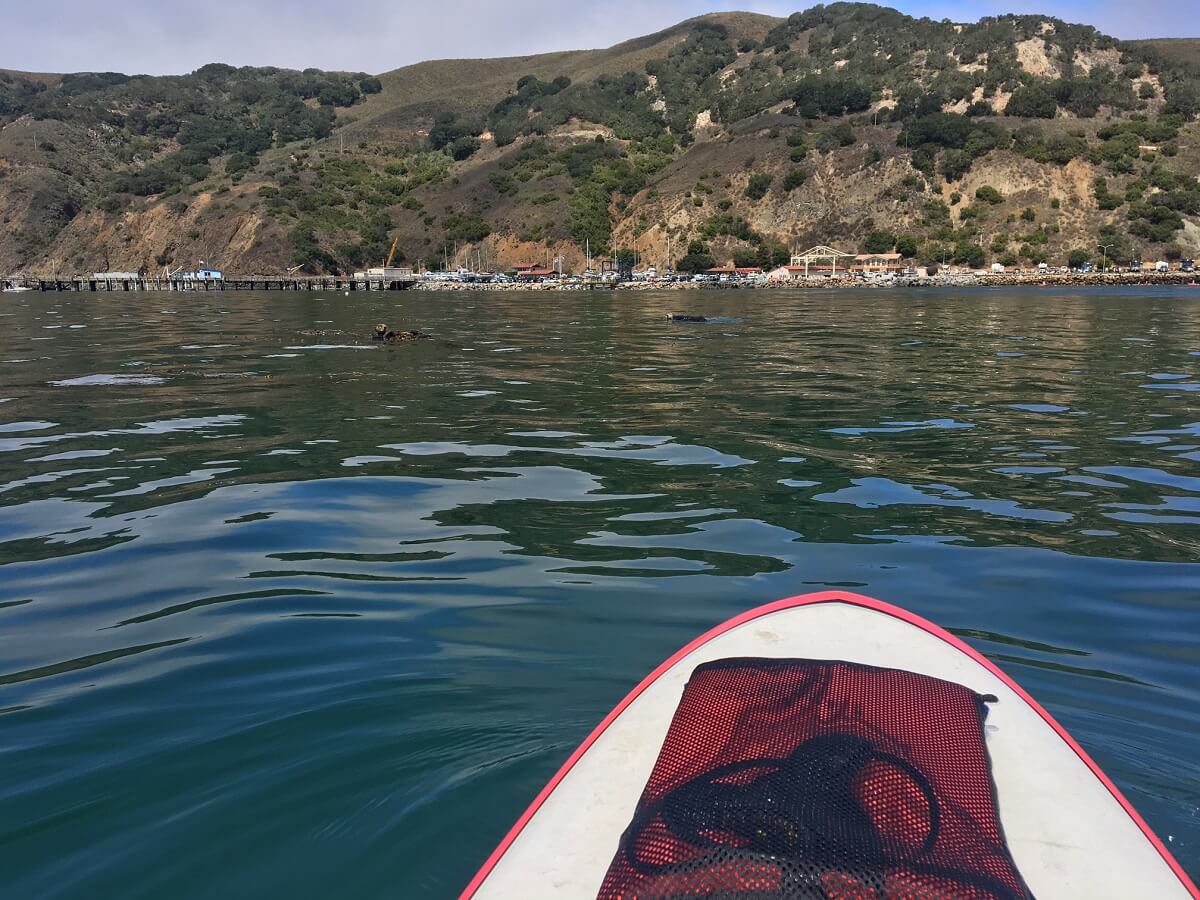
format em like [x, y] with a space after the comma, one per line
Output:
[1103, 248]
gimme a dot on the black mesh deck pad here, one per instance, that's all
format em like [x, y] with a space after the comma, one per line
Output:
[784, 779]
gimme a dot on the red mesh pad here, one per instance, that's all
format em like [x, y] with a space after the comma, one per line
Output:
[804, 779]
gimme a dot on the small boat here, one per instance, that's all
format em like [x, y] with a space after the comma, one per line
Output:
[16, 289]
[830, 745]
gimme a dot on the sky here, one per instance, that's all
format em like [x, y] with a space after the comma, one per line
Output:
[166, 37]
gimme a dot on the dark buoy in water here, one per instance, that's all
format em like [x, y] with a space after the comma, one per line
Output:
[679, 317]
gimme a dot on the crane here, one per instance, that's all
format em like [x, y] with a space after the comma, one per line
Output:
[392, 252]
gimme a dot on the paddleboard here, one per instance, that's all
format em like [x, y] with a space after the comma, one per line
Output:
[1068, 829]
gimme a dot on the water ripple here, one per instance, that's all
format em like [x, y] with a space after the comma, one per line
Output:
[366, 603]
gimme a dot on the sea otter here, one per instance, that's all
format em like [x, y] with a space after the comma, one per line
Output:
[387, 336]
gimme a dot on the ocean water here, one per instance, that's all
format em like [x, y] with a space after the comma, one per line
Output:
[285, 613]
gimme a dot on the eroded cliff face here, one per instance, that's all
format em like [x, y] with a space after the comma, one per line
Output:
[169, 234]
[50, 174]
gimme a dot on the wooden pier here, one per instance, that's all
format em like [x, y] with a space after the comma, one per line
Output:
[81, 283]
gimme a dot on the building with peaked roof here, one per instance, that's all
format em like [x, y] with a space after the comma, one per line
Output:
[819, 260]
[534, 273]
[877, 264]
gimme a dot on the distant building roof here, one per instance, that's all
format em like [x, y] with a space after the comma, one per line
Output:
[862, 257]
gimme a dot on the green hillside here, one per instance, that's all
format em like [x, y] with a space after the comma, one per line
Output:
[1183, 52]
[731, 137]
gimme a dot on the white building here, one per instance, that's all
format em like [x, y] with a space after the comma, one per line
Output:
[385, 273]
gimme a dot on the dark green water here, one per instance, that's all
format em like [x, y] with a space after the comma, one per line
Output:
[292, 619]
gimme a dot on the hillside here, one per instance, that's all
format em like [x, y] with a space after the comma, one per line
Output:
[731, 137]
[1177, 51]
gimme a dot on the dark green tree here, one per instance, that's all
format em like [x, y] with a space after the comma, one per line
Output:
[1077, 258]
[880, 242]
[1033, 101]
[693, 263]
[906, 246]
[758, 186]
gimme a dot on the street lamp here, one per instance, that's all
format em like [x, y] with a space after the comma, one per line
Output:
[1103, 248]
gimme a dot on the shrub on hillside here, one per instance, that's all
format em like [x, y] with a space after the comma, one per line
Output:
[758, 186]
[794, 179]
[467, 227]
[840, 135]
[1033, 101]
[989, 194]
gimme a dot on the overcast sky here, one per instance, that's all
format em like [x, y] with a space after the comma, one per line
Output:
[162, 36]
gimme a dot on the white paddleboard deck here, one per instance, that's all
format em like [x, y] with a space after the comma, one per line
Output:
[1070, 831]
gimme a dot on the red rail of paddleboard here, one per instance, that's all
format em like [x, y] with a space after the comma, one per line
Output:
[807, 600]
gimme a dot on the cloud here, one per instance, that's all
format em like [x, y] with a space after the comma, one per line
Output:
[161, 37]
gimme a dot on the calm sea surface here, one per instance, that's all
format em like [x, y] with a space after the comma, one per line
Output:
[287, 614]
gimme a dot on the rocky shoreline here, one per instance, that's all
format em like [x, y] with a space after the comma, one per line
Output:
[1110, 279]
